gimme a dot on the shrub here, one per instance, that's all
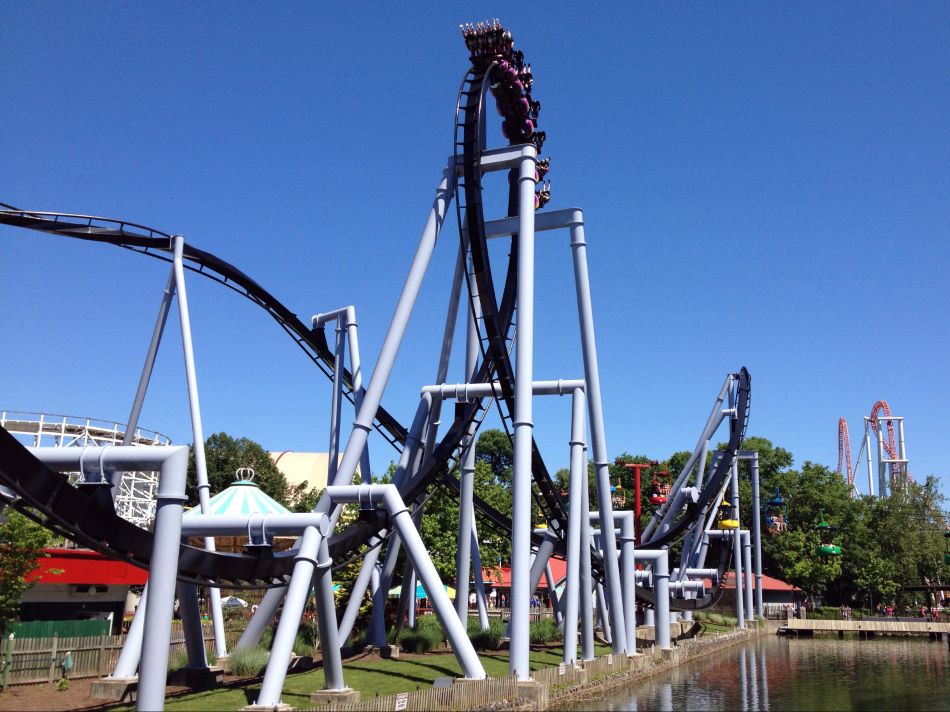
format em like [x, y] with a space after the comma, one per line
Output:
[544, 631]
[248, 661]
[486, 639]
[430, 624]
[178, 661]
[301, 646]
[310, 633]
[426, 635]
[267, 638]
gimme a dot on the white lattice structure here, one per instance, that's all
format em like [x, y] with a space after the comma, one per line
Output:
[135, 501]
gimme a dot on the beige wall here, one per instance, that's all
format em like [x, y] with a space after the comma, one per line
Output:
[298, 467]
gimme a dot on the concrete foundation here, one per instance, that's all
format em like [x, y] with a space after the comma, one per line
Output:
[282, 707]
[197, 679]
[534, 693]
[118, 689]
[300, 663]
[345, 696]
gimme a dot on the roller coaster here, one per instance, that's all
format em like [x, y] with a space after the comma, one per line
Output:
[891, 451]
[500, 325]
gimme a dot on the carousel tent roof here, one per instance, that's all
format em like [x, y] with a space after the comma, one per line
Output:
[242, 497]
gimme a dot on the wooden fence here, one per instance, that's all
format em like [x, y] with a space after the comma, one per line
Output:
[497, 692]
[502, 691]
[33, 660]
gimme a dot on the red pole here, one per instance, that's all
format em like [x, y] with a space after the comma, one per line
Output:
[637, 468]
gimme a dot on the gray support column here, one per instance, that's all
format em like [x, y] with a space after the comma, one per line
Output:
[163, 571]
[576, 521]
[598, 437]
[419, 558]
[445, 353]
[552, 594]
[397, 328]
[260, 621]
[747, 574]
[191, 625]
[356, 377]
[661, 593]
[628, 567]
[757, 535]
[479, 579]
[603, 612]
[463, 552]
[336, 403]
[128, 663]
[519, 646]
[326, 616]
[665, 513]
[201, 468]
[541, 559]
[407, 597]
[356, 444]
[167, 294]
[586, 598]
[304, 564]
[376, 635]
[362, 582]
[467, 479]
[737, 547]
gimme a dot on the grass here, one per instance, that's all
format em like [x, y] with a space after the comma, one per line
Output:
[369, 676]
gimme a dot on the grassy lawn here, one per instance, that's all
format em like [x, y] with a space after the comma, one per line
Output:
[369, 676]
[713, 629]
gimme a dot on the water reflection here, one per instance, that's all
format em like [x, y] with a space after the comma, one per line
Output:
[818, 674]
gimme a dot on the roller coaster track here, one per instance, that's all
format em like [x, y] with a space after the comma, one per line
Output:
[158, 244]
[46, 495]
[496, 320]
[889, 443]
[844, 452]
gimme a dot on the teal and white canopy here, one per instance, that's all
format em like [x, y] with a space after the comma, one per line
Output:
[242, 497]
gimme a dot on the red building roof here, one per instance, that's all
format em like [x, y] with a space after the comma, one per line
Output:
[768, 583]
[83, 566]
[502, 577]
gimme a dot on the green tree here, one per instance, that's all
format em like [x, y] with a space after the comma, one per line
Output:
[224, 455]
[21, 545]
[439, 528]
[493, 447]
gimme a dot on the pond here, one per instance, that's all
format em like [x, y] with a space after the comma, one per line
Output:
[794, 674]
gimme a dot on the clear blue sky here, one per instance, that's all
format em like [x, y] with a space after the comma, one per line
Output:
[765, 185]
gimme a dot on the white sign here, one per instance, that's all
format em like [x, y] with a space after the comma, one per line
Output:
[610, 658]
[561, 669]
[402, 701]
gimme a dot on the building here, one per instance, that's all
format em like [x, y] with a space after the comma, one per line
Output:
[79, 584]
[300, 467]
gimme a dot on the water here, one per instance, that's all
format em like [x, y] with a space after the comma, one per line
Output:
[775, 673]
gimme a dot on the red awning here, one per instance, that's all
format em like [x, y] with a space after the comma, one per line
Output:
[82, 566]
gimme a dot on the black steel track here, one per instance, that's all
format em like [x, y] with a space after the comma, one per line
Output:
[47, 497]
[496, 323]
